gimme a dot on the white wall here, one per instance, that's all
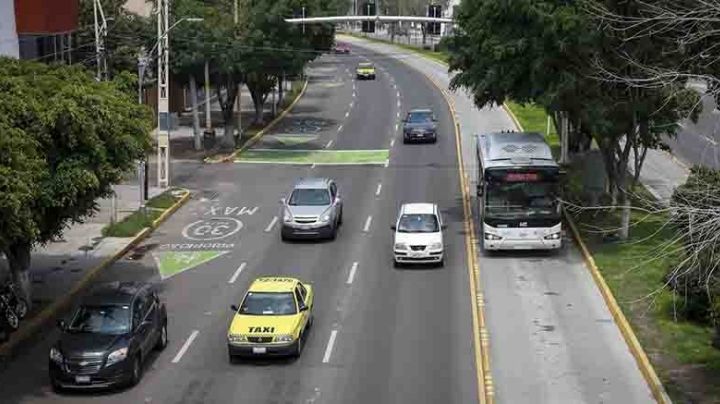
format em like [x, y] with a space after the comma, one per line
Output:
[8, 32]
[139, 7]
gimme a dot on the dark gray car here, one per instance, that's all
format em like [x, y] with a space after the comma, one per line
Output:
[420, 125]
[313, 209]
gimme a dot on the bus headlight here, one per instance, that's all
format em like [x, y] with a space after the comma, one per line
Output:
[554, 236]
[493, 237]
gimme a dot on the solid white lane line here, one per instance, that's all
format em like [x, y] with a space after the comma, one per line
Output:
[387, 163]
[352, 103]
[352, 273]
[367, 224]
[237, 272]
[396, 127]
[379, 188]
[398, 94]
[272, 223]
[354, 94]
[331, 343]
[392, 142]
[347, 114]
[329, 143]
[185, 346]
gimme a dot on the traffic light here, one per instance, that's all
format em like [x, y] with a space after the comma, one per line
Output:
[435, 11]
[368, 9]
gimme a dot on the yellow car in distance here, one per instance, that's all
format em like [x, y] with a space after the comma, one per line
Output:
[365, 71]
[272, 320]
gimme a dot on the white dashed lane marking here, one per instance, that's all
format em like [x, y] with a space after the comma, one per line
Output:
[272, 223]
[329, 143]
[328, 349]
[352, 273]
[368, 221]
[237, 272]
[185, 346]
[378, 190]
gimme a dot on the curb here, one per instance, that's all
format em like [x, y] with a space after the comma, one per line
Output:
[481, 340]
[261, 133]
[643, 362]
[34, 324]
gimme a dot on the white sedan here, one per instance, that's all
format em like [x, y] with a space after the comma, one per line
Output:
[418, 234]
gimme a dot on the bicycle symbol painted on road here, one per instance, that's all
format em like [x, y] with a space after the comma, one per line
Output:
[306, 126]
[212, 229]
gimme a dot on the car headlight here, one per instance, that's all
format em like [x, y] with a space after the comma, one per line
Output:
[284, 338]
[436, 246]
[237, 338]
[287, 217]
[55, 355]
[117, 356]
[325, 218]
[489, 236]
[400, 246]
[554, 236]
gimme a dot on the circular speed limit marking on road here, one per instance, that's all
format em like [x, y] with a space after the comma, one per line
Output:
[215, 228]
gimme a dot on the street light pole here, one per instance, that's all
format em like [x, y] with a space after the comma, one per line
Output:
[144, 166]
[163, 103]
[239, 90]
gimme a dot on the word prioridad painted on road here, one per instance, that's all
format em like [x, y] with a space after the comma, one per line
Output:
[231, 211]
[197, 246]
[215, 228]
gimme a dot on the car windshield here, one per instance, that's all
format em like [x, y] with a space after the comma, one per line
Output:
[365, 66]
[310, 197]
[268, 304]
[109, 319]
[419, 117]
[521, 198]
[418, 223]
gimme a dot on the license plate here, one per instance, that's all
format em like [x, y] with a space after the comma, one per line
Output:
[259, 350]
[415, 254]
[82, 379]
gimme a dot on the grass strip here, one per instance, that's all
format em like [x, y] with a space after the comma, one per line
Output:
[533, 118]
[138, 220]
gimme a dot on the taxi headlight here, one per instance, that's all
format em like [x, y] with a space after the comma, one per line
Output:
[237, 338]
[117, 356]
[55, 355]
[284, 338]
[436, 246]
[400, 246]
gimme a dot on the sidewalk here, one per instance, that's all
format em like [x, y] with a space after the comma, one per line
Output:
[58, 266]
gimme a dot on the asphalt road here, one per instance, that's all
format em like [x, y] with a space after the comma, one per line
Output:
[399, 335]
[697, 143]
[552, 338]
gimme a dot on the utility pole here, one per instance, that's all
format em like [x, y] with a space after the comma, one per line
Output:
[303, 16]
[100, 34]
[239, 90]
[163, 132]
[208, 117]
[144, 166]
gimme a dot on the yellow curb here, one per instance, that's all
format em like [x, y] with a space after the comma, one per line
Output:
[643, 362]
[481, 338]
[261, 133]
[514, 118]
[32, 325]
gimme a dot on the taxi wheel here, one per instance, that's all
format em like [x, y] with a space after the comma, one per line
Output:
[299, 345]
[231, 358]
[162, 340]
[310, 322]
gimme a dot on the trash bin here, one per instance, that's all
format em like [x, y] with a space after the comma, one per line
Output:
[209, 139]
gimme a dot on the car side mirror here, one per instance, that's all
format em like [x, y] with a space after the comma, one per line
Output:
[443, 226]
[393, 227]
[303, 308]
[234, 308]
[61, 325]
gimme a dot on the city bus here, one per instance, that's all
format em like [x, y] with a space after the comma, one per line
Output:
[517, 187]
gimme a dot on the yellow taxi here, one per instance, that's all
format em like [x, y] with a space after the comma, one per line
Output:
[365, 71]
[272, 319]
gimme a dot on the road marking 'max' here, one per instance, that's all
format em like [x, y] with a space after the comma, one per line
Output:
[237, 272]
[367, 224]
[331, 343]
[272, 223]
[351, 276]
[185, 346]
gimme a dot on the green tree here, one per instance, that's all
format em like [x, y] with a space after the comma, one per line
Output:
[551, 53]
[66, 140]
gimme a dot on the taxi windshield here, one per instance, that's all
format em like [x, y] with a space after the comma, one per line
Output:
[268, 304]
[365, 66]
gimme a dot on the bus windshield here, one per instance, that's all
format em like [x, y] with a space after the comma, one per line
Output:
[521, 199]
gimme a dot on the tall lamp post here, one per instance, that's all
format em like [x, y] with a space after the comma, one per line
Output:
[163, 104]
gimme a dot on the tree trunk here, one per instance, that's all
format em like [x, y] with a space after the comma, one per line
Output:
[18, 257]
[228, 106]
[195, 114]
[280, 90]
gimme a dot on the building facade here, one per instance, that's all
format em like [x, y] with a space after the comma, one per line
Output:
[38, 29]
